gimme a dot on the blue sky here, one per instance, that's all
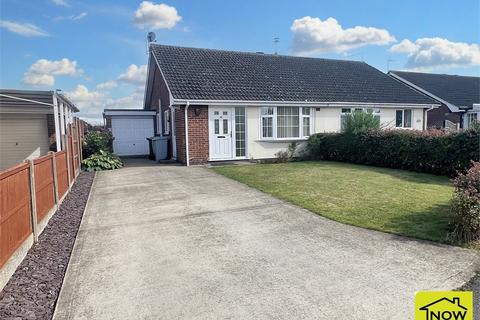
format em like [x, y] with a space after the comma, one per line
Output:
[95, 50]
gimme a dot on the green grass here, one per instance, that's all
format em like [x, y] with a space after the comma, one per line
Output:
[396, 201]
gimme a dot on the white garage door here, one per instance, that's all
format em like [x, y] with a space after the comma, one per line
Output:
[131, 135]
[22, 136]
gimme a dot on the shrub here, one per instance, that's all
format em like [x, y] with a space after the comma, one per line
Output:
[286, 155]
[436, 151]
[102, 161]
[358, 122]
[97, 140]
[465, 206]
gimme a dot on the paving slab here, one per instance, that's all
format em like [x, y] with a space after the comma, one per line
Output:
[170, 242]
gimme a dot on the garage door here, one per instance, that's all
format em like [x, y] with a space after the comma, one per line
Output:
[131, 135]
[22, 136]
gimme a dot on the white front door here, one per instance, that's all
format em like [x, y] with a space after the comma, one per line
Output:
[220, 127]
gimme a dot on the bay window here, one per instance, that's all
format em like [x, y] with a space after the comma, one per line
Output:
[403, 118]
[285, 122]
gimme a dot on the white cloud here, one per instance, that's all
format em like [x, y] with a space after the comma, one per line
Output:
[312, 35]
[79, 16]
[61, 3]
[92, 102]
[134, 75]
[428, 53]
[156, 16]
[42, 72]
[72, 17]
[106, 85]
[23, 29]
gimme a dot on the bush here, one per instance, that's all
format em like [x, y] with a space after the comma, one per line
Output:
[102, 161]
[435, 151]
[358, 122]
[97, 140]
[465, 206]
[286, 155]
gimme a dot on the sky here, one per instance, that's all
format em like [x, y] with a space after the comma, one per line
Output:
[96, 52]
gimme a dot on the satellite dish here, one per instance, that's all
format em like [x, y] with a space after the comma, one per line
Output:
[151, 36]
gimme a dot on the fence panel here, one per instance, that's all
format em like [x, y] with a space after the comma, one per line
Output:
[44, 189]
[15, 222]
[62, 174]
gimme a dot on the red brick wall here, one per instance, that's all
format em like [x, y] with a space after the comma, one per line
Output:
[180, 134]
[197, 134]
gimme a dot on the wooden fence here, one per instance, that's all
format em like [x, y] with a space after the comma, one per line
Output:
[31, 192]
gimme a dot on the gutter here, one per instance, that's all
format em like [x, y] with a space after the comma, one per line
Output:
[302, 103]
[186, 134]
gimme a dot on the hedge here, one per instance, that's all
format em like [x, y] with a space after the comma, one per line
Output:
[433, 151]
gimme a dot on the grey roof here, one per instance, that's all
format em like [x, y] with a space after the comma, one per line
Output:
[207, 74]
[461, 91]
[18, 98]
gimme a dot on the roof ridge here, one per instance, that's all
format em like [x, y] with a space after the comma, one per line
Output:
[434, 74]
[257, 53]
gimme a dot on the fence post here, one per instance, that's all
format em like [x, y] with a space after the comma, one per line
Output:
[33, 200]
[67, 153]
[55, 181]
[77, 127]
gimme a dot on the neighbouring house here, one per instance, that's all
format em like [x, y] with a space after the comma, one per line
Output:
[459, 97]
[225, 105]
[130, 129]
[28, 125]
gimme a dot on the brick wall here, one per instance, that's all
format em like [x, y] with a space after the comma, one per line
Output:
[198, 134]
[180, 134]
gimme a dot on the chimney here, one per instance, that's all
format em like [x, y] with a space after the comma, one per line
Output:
[456, 301]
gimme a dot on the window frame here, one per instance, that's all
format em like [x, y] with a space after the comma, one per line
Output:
[274, 117]
[402, 126]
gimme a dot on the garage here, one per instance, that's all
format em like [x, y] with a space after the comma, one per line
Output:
[22, 136]
[130, 130]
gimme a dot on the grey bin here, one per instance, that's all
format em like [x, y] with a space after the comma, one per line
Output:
[160, 147]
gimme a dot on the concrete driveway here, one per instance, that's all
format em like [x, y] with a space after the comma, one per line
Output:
[169, 242]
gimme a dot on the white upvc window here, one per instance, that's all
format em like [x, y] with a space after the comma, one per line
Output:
[285, 123]
[470, 118]
[166, 122]
[403, 118]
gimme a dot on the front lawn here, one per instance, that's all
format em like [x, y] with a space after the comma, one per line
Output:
[397, 201]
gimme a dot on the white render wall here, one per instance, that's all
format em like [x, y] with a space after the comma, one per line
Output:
[326, 119]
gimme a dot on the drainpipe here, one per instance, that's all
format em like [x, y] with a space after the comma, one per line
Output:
[425, 117]
[186, 134]
[173, 131]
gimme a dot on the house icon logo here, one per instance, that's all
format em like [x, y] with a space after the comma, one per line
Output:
[444, 305]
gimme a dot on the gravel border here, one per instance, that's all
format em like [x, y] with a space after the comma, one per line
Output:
[474, 286]
[32, 291]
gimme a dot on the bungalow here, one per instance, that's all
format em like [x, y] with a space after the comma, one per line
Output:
[459, 97]
[28, 125]
[225, 105]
